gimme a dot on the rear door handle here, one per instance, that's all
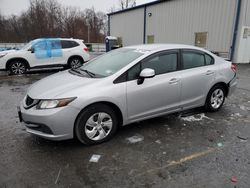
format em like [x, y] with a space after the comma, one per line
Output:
[173, 81]
[209, 72]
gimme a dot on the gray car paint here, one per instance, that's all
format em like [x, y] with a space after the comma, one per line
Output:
[156, 96]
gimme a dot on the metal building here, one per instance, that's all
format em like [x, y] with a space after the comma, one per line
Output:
[222, 26]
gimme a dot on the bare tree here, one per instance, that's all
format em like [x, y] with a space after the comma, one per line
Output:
[127, 3]
[47, 18]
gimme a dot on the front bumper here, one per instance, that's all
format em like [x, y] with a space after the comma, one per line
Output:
[52, 124]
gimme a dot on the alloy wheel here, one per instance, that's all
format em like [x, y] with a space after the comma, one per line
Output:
[217, 98]
[18, 68]
[98, 126]
[75, 63]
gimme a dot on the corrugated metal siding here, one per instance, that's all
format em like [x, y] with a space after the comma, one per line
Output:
[178, 21]
[245, 13]
[244, 21]
[129, 26]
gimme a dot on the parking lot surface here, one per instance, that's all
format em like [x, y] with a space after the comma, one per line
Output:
[188, 149]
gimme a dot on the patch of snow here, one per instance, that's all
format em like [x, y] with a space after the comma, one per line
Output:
[158, 141]
[95, 158]
[197, 117]
[135, 139]
[243, 107]
[236, 115]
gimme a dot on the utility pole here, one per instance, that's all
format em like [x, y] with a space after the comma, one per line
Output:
[88, 33]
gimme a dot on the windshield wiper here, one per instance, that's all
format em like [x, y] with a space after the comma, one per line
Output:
[77, 71]
[91, 74]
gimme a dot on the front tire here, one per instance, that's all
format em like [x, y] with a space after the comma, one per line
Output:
[75, 62]
[17, 67]
[96, 124]
[215, 98]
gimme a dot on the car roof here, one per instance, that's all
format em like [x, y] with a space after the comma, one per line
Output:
[59, 39]
[158, 47]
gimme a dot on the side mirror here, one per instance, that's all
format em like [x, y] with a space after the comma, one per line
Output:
[145, 73]
[32, 50]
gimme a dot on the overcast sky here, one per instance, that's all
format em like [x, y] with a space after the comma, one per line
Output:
[9, 7]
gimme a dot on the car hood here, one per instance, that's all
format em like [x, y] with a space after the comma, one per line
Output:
[58, 85]
[7, 51]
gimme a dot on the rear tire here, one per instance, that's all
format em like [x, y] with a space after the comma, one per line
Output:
[96, 124]
[75, 62]
[215, 98]
[17, 67]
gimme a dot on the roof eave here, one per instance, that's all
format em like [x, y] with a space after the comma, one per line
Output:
[136, 7]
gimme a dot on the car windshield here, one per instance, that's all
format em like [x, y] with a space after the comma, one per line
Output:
[112, 62]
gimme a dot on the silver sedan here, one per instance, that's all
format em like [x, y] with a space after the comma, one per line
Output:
[124, 86]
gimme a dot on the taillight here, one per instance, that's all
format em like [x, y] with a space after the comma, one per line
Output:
[86, 49]
[234, 67]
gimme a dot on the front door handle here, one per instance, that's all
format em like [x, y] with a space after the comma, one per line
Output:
[209, 72]
[173, 81]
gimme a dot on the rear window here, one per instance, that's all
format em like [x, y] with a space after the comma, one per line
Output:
[69, 44]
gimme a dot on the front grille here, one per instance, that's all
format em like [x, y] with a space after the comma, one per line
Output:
[29, 101]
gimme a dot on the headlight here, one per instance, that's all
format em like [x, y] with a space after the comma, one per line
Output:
[2, 55]
[56, 103]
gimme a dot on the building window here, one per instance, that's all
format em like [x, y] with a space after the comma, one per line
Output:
[201, 39]
[151, 39]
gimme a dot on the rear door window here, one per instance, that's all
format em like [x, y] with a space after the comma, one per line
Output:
[192, 59]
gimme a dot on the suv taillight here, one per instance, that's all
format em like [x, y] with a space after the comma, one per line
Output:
[86, 49]
[234, 67]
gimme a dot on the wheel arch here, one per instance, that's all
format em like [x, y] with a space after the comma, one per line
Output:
[17, 58]
[224, 85]
[117, 110]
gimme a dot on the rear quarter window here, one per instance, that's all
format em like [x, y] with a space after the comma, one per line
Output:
[69, 44]
[209, 60]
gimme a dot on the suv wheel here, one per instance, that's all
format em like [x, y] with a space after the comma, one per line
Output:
[17, 67]
[75, 62]
[97, 124]
[215, 98]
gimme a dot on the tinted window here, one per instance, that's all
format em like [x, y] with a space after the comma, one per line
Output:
[162, 63]
[209, 60]
[192, 60]
[74, 44]
[69, 44]
[55, 44]
[134, 72]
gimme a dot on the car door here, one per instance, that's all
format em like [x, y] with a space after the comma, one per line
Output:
[197, 76]
[156, 95]
[69, 49]
[38, 54]
[54, 50]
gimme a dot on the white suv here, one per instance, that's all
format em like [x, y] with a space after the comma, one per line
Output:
[45, 52]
